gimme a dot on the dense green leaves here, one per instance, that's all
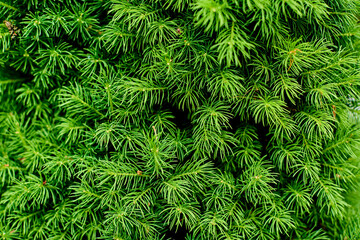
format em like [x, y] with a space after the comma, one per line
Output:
[179, 119]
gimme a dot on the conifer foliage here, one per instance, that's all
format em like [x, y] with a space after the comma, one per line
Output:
[179, 119]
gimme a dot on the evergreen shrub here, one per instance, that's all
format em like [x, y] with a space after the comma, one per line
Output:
[179, 119]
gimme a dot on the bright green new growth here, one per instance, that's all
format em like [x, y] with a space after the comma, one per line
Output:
[179, 119]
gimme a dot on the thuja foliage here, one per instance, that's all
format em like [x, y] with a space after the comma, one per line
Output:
[179, 119]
